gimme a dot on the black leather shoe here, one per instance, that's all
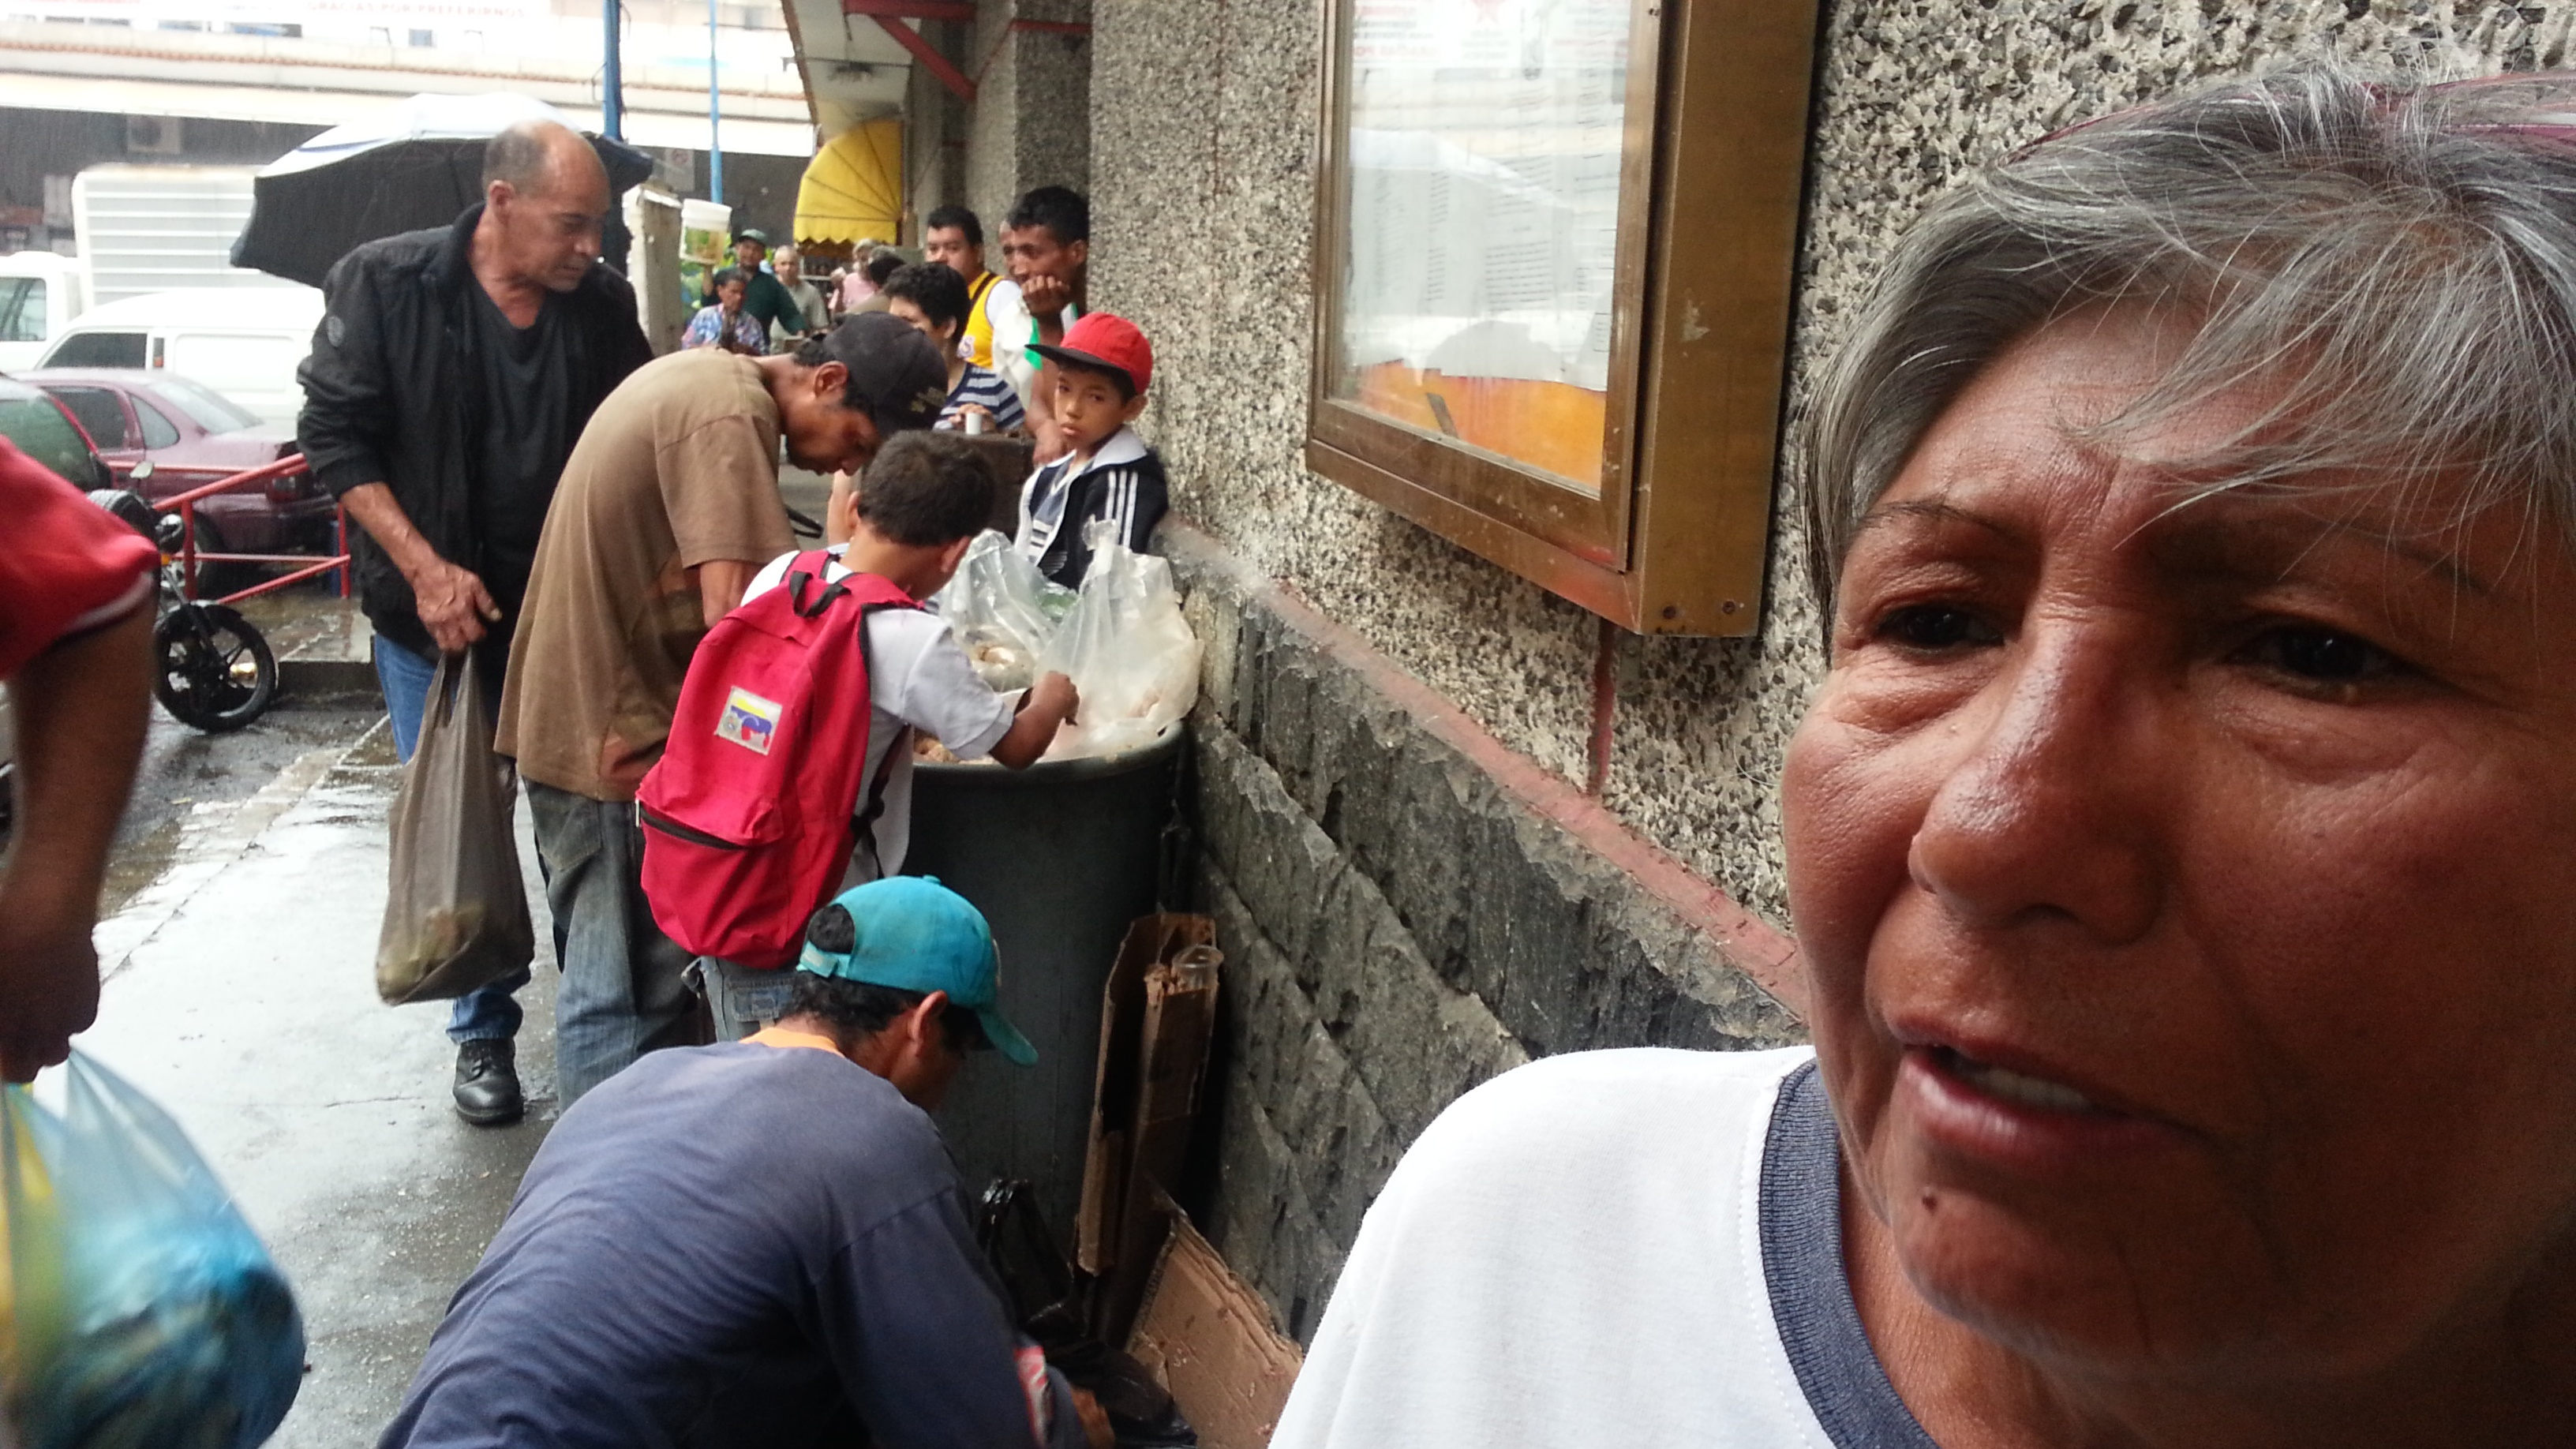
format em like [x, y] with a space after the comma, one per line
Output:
[487, 1083]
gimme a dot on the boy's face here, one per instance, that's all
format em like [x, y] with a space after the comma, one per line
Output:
[942, 337]
[1088, 407]
[1033, 251]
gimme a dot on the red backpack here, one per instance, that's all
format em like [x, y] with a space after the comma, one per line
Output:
[749, 813]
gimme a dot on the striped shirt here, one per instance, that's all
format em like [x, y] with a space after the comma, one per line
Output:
[985, 386]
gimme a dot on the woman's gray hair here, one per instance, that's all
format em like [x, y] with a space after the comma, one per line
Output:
[2400, 259]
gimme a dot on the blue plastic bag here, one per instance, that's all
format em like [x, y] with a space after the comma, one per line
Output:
[142, 1311]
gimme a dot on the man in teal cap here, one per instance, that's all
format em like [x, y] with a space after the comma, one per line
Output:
[762, 1242]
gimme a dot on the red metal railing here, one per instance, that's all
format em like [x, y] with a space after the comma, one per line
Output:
[185, 505]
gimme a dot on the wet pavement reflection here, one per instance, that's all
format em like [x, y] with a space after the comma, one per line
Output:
[240, 993]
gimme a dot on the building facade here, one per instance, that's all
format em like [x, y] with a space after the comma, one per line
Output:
[1448, 822]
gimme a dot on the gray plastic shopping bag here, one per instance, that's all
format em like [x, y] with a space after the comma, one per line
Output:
[456, 914]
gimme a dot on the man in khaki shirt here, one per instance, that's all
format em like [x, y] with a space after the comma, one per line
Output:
[668, 506]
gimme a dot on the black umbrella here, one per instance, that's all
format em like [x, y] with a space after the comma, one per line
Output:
[420, 167]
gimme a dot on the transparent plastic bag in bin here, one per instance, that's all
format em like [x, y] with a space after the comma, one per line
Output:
[1003, 610]
[1127, 648]
[141, 1311]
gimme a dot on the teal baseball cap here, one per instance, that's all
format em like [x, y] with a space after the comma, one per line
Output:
[914, 934]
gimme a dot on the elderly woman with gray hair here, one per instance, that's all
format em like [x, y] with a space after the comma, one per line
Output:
[2182, 846]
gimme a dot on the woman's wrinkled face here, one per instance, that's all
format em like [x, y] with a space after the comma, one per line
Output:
[2189, 888]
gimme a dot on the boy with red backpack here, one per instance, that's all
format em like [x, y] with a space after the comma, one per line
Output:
[776, 792]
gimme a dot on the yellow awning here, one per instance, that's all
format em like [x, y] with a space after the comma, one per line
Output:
[853, 188]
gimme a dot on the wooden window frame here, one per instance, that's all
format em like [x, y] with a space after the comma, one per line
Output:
[1711, 177]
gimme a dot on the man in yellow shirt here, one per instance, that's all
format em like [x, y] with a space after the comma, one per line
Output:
[954, 237]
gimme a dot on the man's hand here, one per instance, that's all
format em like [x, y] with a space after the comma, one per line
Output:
[48, 985]
[1096, 1430]
[454, 606]
[80, 709]
[1045, 296]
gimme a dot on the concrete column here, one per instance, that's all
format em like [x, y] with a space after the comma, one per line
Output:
[1031, 124]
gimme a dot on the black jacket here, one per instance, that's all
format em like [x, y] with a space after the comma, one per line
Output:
[392, 393]
[1122, 482]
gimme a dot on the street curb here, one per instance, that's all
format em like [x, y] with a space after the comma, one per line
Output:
[309, 678]
[211, 843]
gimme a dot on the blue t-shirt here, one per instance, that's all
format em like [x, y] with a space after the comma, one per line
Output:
[734, 1245]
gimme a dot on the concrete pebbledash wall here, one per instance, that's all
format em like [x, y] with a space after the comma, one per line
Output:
[1411, 891]
[1031, 60]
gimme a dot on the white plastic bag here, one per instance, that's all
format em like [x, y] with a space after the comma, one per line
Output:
[1003, 610]
[1128, 650]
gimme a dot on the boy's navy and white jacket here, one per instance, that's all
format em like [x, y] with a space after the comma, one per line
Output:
[1121, 480]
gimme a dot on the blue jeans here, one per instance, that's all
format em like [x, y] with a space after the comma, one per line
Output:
[487, 1013]
[623, 993]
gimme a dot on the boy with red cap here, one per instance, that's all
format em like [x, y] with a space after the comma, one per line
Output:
[1102, 367]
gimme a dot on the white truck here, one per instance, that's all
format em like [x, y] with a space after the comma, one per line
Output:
[142, 230]
[154, 287]
[162, 228]
[40, 294]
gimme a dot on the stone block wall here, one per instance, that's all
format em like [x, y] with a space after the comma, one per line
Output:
[1405, 913]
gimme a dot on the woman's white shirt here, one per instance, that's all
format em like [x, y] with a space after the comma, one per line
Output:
[1573, 1256]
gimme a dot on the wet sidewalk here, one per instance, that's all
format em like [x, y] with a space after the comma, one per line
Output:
[240, 994]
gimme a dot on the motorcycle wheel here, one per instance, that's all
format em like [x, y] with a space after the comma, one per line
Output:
[216, 672]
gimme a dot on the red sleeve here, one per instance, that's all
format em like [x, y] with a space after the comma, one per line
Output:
[65, 564]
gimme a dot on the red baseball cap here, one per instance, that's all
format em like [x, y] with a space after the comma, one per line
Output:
[1107, 341]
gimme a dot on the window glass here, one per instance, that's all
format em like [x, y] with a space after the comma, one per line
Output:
[98, 411]
[42, 432]
[1483, 160]
[158, 431]
[22, 309]
[97, 349]
[248, 362]
[213, 412]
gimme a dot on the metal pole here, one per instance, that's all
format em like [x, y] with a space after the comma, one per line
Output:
[612, 83]
[715, 115]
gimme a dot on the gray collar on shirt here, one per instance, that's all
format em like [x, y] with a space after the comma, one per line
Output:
[1811, 1297]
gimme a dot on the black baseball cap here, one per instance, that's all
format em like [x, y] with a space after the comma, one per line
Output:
[897, 370]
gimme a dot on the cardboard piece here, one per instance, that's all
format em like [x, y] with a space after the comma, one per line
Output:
[1153, 1050]
[1209, 1339]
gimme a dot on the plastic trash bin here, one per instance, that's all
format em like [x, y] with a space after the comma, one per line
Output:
[1060, 858]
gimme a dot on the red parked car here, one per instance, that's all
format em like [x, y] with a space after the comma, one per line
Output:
[190, 436]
